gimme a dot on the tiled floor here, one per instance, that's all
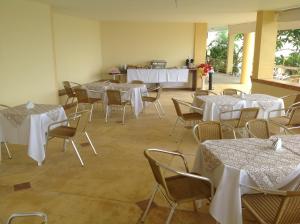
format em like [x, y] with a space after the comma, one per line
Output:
[112, 186]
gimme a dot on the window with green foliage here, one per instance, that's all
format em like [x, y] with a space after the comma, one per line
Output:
[287, 58]
[217, 52]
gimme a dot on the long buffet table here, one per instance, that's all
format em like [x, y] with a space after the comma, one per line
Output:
[158, 75]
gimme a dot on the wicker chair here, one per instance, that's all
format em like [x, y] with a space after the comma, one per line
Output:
[258, 128]
[155, 101]
[290, 121]
[83, 98]
[245, 115]
[188, 119]
[211, 130]
[294, 98]
[114, 99]
[202, 92]
[70, 90]
[231, 92]
[31, 214]
[184, 186]
[2, 106]
[71, 133]
[273, 206]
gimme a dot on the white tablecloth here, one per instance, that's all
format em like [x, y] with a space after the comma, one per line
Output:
[158, 75]
[28, 127]
[253, 162]
[134, 94]
[213, 105]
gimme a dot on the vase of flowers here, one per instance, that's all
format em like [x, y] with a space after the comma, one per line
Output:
[203, 70]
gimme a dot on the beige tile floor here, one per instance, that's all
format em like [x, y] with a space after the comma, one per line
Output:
[108, 189]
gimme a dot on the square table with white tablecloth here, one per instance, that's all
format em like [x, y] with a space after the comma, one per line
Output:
[19, 125]
[133, 93]
[214, 105]
[253, 162]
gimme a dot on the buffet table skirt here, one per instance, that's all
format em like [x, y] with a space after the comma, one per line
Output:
[158, 75]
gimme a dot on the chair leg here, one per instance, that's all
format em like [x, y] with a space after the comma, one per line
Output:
[171, 213]
[77, 153]
[149, 204]
[67, 100]
[76, 110]
[7, 150]
[124, 111]
[157, 109]
[106, 114]
[174, 126]
[88, 138]
[65, 144]
[161, 108]
[91, 112]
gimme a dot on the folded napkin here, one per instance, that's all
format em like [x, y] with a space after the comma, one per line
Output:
[29, 105]
[277, 145]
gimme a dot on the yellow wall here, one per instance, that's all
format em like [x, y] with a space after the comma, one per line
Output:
[77, 49]
[265, 44]
[141, 42]
[200, 40]
[26, 53]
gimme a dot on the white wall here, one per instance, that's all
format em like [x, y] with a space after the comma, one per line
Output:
[77, 49]
[141, 42]
[26, 53]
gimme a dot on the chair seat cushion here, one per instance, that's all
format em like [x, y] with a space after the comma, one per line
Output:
[184, 188]
[231, 122]
[94, 100]
[90, 100]
[191, 116]
[62, 132]
[148, 98]
[280, 120]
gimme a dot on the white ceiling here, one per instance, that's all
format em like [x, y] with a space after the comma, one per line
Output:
[215, 12]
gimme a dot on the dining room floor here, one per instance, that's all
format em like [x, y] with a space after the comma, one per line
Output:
[114, 186]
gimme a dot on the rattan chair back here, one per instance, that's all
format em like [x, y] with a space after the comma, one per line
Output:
[258, 128]
[137, 82]
[297, 99]
[177, 107]
[113, 97]
[278, 208]
[157, 172]
[201, 92]
[294, 116]
[82, 121]
[230, 92]
[208, 130]
[81, 95]
[68, 89]
[246, 115]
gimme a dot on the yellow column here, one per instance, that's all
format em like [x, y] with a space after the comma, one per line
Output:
[230, 50]
[201, 30]
[265, 44]
[248, 51]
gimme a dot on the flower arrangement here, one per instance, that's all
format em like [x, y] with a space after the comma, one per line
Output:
[205, 69]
